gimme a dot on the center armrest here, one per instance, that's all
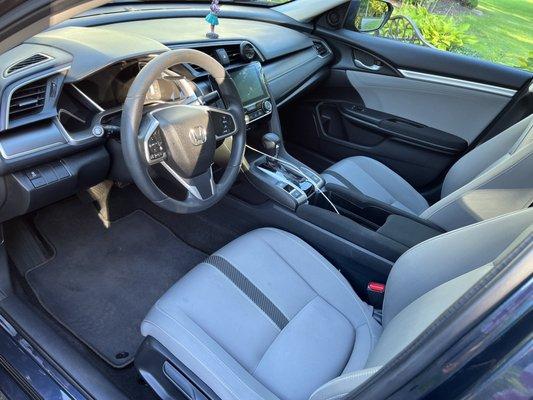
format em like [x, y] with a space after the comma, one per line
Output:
[352, 231]
[407, 231]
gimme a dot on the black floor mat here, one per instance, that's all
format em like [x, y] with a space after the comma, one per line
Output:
[103, 280]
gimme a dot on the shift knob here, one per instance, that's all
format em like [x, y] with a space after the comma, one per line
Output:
[271, 143]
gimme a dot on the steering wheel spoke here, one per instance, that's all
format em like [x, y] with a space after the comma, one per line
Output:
[201, 187]
[182, 138]
[223, 123]
[153, 142]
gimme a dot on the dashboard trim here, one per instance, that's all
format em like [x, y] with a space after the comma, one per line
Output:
[87, 98]
[28, 152]
[69, 138]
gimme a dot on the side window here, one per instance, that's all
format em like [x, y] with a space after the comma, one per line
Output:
[493, 30]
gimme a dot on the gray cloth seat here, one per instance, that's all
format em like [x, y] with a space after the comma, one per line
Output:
[493, 179]
[267, 317]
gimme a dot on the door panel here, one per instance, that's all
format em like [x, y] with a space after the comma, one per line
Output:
[433, 105]
[337, 130]
[456, 110]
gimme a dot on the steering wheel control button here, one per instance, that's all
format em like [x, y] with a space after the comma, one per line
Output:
[98, 131]
[225, 125]
[228, 126]
[156, 148]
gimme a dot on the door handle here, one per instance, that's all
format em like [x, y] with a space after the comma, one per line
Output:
[362, 65]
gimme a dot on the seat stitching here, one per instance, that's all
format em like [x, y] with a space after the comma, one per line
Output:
[509, 168]
[209, 261]
[359, 374]
[202, 344]
[243, 295]
[343, 284]
[338, 396]
[337, 278]
[287, 263]
[303, 279]
[352, 375]
[276, 338]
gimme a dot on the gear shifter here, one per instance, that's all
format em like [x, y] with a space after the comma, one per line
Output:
[285, 173]
[271, 145]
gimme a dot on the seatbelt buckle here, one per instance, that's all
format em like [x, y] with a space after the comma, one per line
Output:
[376, 294]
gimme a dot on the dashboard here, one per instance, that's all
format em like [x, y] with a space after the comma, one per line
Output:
[58, 86]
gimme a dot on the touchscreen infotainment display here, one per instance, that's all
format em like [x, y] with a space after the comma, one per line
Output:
[250, 84]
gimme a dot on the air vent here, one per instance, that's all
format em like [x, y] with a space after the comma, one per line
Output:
[28, 62]
[247, 51]
[321, 49]
[234, 54]
[28, 99]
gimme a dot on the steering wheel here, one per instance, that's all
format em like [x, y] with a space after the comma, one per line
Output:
[182, 138]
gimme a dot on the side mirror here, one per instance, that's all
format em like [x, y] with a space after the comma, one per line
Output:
[372, 15]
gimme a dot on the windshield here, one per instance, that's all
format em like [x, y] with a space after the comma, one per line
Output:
[267, 3]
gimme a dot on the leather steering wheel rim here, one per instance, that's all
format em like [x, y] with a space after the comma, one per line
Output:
[132, 116]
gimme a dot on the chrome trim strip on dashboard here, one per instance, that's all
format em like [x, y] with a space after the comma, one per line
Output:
[28, 152]
[69, 138]
[444, 80]
[87, 98]
[6, 98]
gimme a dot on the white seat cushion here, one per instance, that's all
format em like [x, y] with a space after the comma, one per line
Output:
[265, 317]
[375, 180]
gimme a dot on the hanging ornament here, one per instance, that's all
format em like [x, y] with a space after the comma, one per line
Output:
[212, 19]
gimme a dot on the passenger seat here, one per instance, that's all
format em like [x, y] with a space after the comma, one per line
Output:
[493, 179]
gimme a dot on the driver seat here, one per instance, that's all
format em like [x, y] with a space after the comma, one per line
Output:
[267, 317]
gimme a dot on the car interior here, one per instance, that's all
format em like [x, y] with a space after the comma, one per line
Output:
[280, 213]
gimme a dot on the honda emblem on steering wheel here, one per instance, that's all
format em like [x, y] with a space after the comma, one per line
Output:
[198, 135]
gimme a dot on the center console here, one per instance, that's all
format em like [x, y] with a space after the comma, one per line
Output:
[268, 166]
[283, 178]
[363, 246]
